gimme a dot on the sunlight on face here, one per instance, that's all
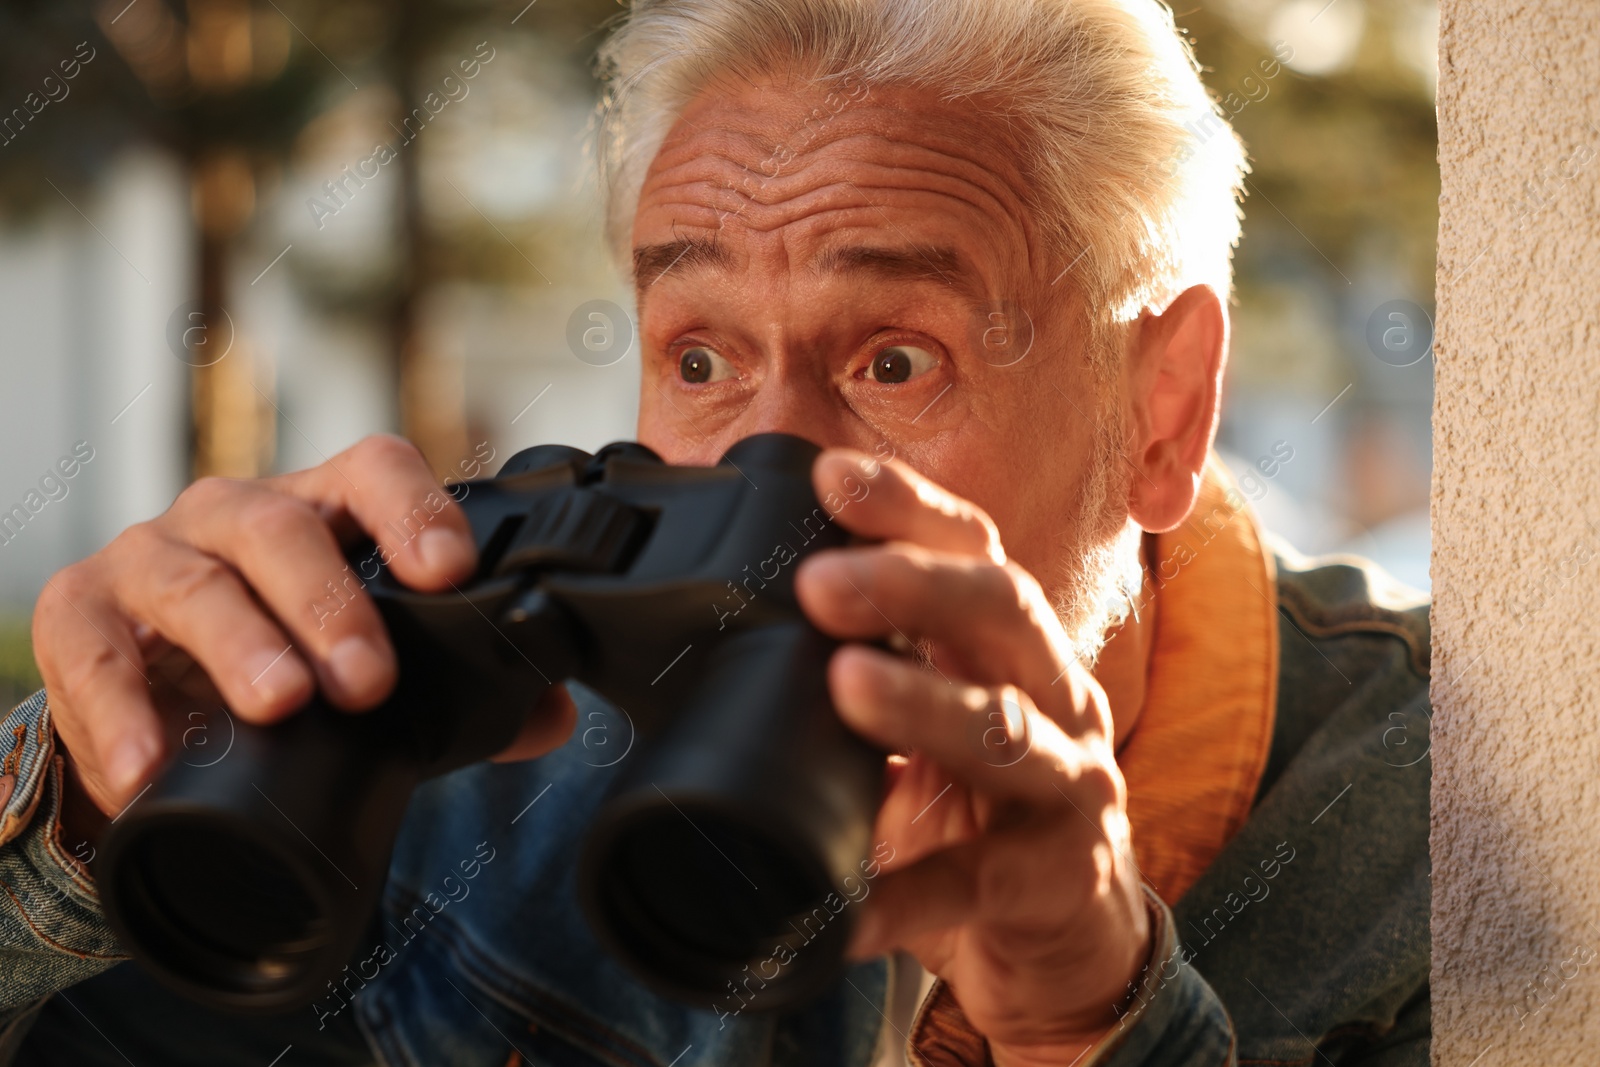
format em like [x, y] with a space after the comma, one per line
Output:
[839, 266]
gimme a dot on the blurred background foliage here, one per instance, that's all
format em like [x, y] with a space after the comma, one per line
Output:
[204, 184]
[18, 674]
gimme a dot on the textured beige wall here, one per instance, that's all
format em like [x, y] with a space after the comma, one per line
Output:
[1516, 537]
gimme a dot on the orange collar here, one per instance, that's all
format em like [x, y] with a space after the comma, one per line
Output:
[1196, 755]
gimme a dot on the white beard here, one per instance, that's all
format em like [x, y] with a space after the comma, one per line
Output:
[1101, 572]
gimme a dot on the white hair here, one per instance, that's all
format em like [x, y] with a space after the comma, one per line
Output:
[1133, 174]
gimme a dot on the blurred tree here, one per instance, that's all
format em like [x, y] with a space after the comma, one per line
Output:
[1343, 154]
[227, 86]
[214, 82]
[428, 38]
[1344, 161]
[19, 676]
[1334, 100]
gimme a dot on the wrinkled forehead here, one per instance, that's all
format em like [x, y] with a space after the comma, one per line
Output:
[837, 171]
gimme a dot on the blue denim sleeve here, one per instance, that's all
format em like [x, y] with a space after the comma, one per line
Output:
[52, 931]
[1175, 1019]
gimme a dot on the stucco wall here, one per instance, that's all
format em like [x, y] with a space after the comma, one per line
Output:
[1516, 537]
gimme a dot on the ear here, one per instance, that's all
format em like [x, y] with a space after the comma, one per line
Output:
[1172, 377]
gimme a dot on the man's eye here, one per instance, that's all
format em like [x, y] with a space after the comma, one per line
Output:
[701, 364]
[901, 363]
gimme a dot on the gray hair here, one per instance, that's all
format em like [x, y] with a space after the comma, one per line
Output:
[1133, 174]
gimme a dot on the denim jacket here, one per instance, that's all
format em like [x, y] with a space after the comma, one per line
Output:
[1305, 938]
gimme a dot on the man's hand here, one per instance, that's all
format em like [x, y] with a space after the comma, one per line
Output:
[239, 594]
[1012, 876]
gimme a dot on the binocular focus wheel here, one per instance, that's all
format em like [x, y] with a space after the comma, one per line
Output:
[540, 457]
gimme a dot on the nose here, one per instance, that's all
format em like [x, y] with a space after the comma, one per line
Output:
[801, 396]
[797, 395]
[794, 402]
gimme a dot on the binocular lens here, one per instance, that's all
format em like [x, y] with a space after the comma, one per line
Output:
[228, 912]
[698, 896]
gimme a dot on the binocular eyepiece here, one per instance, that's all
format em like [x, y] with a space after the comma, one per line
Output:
[246, 881]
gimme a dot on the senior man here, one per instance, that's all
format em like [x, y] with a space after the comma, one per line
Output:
[975, 250]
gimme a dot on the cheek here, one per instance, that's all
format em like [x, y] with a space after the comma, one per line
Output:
[1023, 459]
[669, 435]
[966, 464]
[685, 429]
[677, 425]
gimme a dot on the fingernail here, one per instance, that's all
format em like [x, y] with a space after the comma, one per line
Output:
[278, 676]
[359, 666]
[831, 564]
[444, 552]
[129, 763]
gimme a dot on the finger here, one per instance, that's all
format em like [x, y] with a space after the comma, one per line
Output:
[894, 772]
[928, 810]
[992, 738]
[289, 558]
[934, 893]
[385, 485]
[994, 619]
[891, 502]
[546, 728]
[173, 669]
[197, 602]
[99, 696]
[998, 880]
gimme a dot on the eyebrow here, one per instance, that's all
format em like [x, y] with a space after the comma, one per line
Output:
[652, 262]
[943, 265]
[895, 264]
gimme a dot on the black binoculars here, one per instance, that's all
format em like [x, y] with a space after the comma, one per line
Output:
[668, 590]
